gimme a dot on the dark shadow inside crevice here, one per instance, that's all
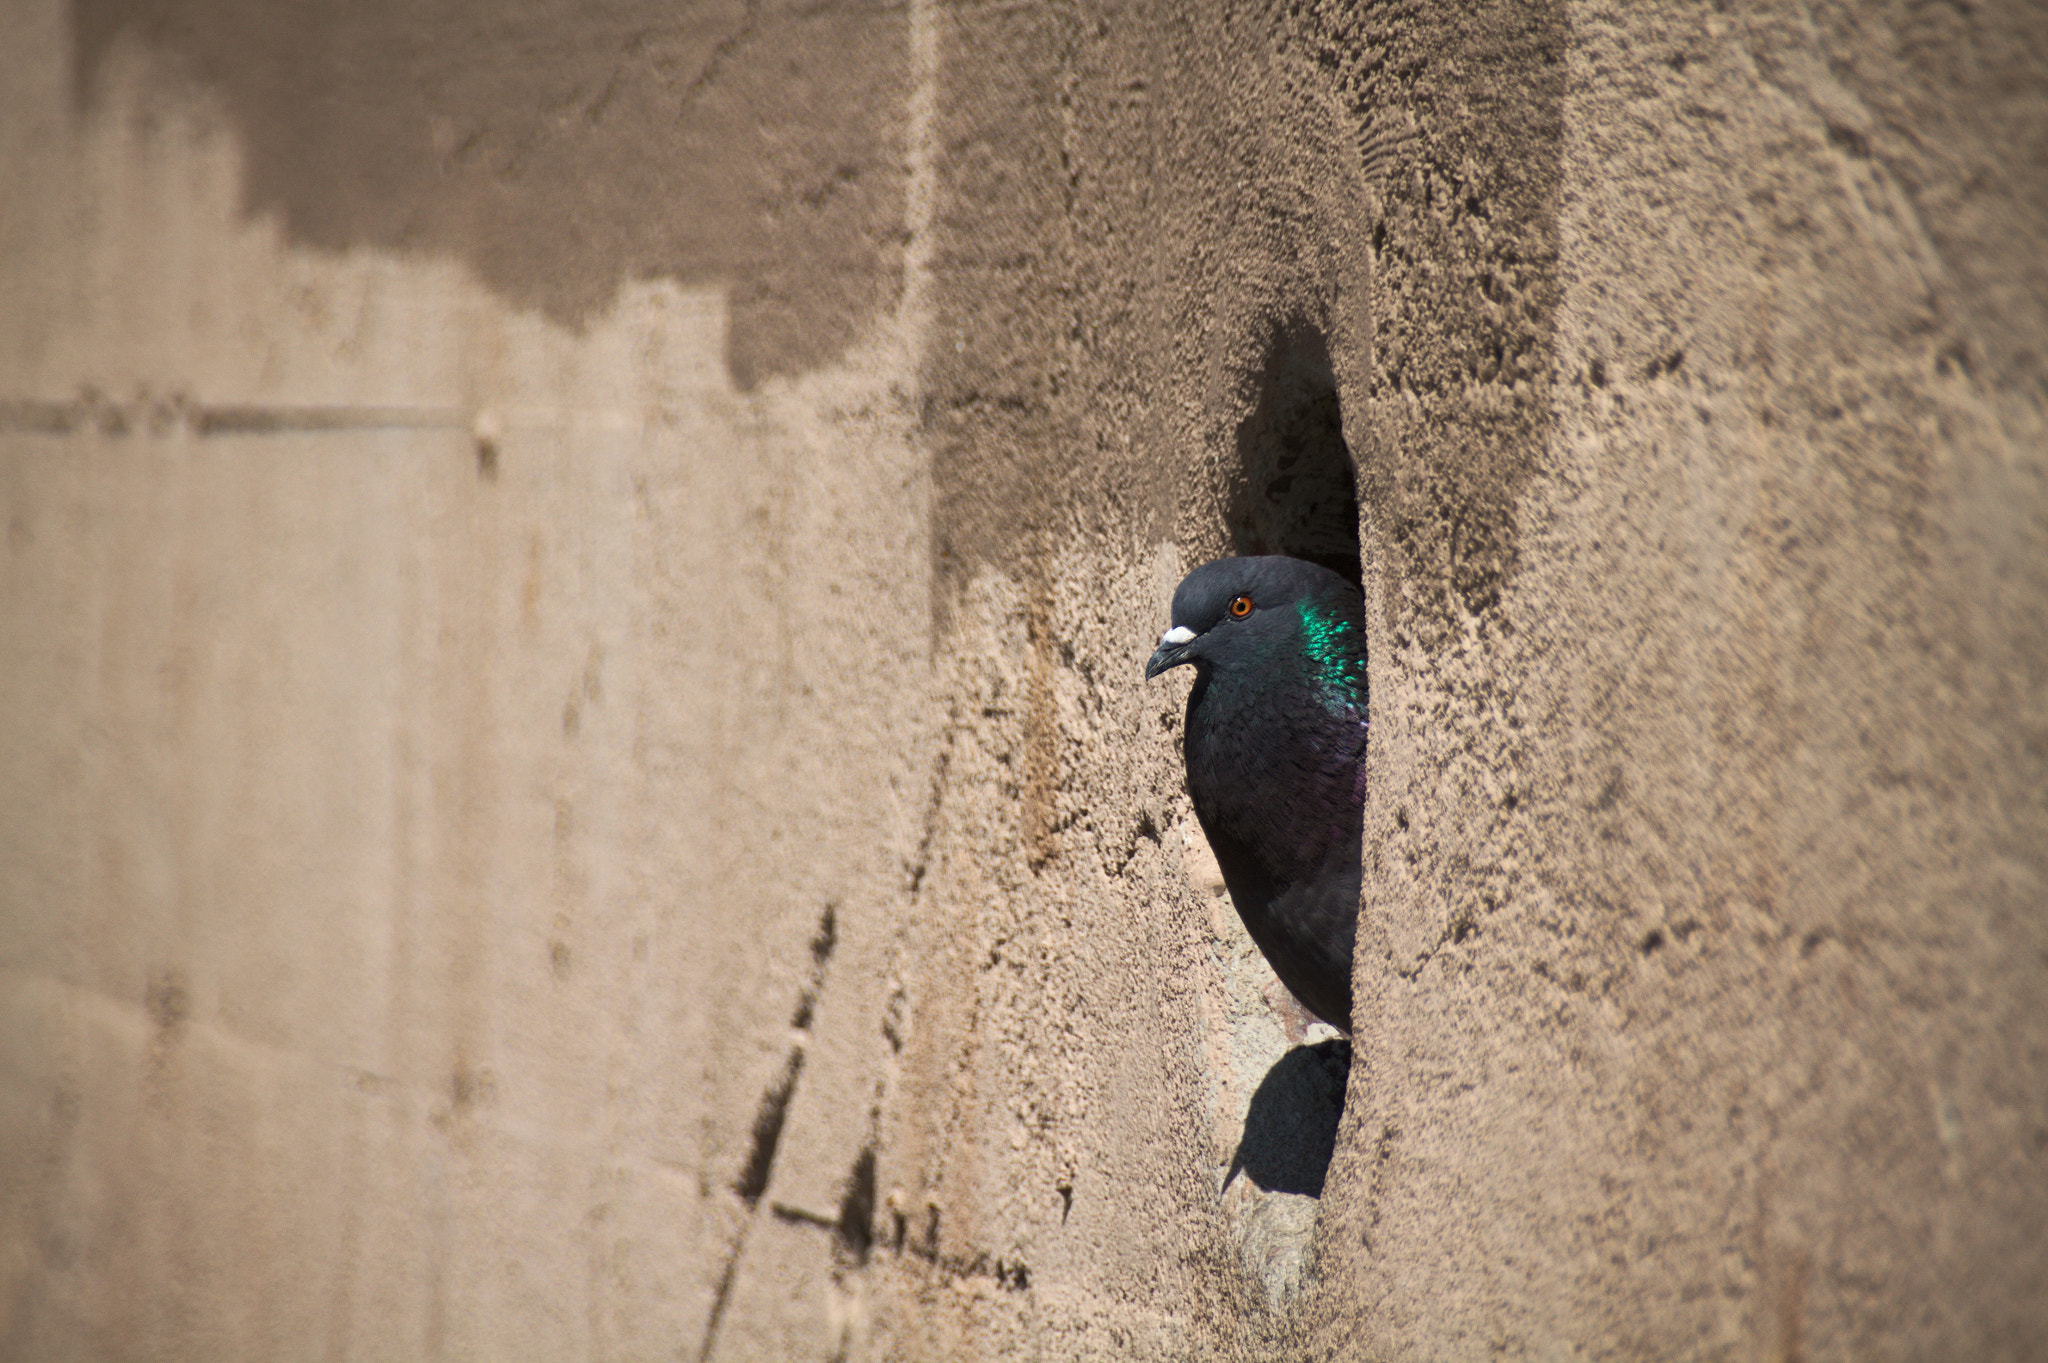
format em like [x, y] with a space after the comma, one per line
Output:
[1297, 493]
[1290, 1131]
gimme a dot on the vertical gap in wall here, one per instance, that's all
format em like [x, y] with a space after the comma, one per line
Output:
[1296, 493]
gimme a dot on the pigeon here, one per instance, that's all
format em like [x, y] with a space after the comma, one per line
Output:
[1275, 750]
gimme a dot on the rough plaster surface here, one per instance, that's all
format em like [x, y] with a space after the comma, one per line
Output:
[577, 783]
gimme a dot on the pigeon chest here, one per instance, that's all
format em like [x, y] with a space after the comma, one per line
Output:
[1277, 770]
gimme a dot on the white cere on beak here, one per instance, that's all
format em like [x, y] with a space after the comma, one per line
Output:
[1179, 634]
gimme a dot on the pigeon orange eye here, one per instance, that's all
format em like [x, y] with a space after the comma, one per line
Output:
[1240, 607]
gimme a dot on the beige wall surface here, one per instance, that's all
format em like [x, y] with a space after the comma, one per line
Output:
[576, 782]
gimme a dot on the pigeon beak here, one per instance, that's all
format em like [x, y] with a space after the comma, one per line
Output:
[1173, 651]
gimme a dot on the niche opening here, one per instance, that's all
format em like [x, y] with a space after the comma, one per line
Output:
[1297, 491]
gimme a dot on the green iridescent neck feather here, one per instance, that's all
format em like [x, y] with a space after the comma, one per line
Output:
[1336, 650]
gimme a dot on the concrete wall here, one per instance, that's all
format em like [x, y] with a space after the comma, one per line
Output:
[577, 783]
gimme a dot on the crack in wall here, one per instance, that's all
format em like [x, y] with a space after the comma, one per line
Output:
[92, 412]
[759, 1169]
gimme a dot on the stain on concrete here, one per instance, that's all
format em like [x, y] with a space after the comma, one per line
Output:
[1463, 288]
[560, 152]
[168, 1001]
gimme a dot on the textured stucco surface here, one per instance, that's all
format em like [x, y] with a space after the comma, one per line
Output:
[576, 778]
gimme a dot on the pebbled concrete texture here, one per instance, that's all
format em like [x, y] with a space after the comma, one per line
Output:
[577, 778]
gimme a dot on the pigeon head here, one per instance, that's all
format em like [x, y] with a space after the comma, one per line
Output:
[1245, 612]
